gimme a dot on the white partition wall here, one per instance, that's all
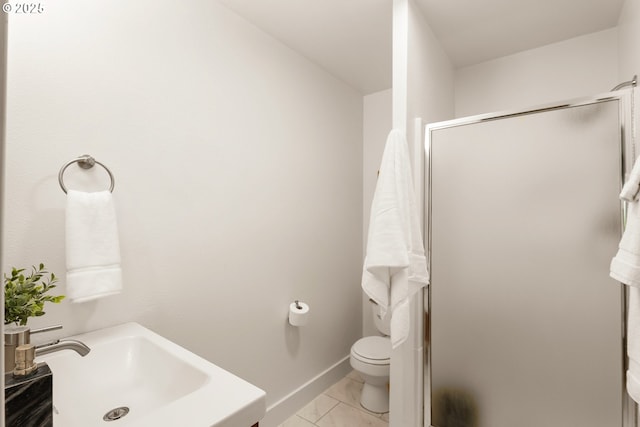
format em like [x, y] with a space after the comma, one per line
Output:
[422, 90]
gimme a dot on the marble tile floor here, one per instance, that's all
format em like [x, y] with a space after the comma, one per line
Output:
[338, 406]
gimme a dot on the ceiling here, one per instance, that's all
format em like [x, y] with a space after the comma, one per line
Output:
[351, 39]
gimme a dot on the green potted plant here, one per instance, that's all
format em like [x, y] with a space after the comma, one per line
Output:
[25, 295]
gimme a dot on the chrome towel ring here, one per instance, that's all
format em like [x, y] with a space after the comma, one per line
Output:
[85, 162]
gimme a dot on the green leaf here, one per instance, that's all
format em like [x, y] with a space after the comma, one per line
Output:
[25, 294]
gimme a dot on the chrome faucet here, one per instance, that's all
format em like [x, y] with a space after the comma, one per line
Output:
[57, 345]
[15, 336]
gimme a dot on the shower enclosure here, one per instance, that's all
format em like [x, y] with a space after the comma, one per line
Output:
[525, 326]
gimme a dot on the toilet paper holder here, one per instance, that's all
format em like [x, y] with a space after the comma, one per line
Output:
[298, 306]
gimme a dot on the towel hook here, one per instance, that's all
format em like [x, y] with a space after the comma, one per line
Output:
[85, 162]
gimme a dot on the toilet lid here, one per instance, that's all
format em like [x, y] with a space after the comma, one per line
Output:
[374, 348]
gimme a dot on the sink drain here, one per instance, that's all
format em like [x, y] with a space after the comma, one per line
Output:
[116, 414]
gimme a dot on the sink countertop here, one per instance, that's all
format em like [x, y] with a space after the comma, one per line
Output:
[219, 399]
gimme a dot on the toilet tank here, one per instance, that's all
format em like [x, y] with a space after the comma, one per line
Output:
[382, 323]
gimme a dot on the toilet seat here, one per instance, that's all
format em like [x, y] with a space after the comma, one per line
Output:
[373, 350]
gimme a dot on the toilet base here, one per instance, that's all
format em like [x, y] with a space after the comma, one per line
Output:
[375, 398]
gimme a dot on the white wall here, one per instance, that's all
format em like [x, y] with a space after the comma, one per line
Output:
[238, 167]
[422, 71]
[629, 40]
[629, 51]
[574, 68]
[430, 75]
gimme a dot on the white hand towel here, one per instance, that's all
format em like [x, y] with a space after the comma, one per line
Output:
[395, 266]
[631, 188]
[93, 250]
[625, 266]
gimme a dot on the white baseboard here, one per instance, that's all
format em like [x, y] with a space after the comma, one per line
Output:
[284, 408]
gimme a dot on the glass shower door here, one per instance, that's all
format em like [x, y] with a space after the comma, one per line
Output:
[524, 218]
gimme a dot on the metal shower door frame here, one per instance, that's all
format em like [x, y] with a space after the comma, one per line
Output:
[627, 156]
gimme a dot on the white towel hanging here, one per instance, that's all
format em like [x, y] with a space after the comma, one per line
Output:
[395, 266]
[625, 268]
[92, 246]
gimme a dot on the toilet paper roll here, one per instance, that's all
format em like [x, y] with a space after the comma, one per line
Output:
[298, 313]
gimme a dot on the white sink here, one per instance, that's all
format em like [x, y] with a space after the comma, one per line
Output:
[161, 383]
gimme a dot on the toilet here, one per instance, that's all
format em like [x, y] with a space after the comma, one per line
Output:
[370, 357]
